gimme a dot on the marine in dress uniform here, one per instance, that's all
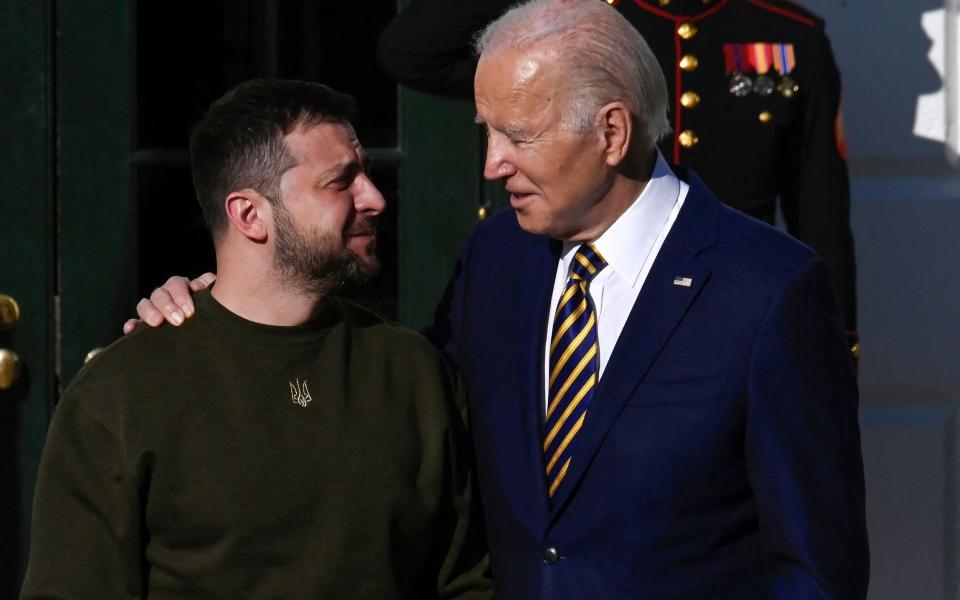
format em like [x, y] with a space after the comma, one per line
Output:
[755, 104]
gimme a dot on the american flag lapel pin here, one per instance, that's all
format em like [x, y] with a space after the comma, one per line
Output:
[682, 281]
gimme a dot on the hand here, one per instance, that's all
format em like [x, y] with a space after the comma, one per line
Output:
[171, 303]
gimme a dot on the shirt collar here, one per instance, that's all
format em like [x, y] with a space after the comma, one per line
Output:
[626, 244]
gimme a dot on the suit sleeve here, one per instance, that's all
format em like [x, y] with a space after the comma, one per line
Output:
[446, 331]
[803, 446]
[816, 204]
[85, 536]
[428, 46]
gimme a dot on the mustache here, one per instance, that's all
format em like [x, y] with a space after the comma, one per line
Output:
[367, 226]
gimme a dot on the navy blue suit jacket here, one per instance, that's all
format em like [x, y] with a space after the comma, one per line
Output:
[721, 455]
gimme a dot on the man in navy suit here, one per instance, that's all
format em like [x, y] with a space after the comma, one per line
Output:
[662, 402]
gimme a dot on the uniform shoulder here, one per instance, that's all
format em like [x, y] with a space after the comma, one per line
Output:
[790, 11]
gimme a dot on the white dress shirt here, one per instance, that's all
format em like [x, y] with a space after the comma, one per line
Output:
[629, 245]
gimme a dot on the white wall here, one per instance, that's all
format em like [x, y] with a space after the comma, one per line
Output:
[898, 59]
[900, 74]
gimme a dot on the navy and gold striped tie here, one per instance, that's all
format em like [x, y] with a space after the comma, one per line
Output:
[573, 365]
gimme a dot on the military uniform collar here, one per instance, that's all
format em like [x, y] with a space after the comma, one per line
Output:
[676, 9]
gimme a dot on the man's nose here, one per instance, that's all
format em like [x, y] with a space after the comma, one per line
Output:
[369, 200]
[497, 164]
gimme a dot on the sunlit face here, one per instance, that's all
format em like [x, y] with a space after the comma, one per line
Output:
[326, 219]
[556, 178]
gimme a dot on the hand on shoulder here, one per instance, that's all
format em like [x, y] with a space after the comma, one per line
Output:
[171, 303]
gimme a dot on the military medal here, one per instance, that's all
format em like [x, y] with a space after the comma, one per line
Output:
[761, 58]
[763, 86]
[784, 61]
[740, 84]
[787, 87]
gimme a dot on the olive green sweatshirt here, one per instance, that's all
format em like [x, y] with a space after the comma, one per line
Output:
[229, 459]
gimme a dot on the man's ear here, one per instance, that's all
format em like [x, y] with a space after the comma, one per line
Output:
[616, 125]
[249, 212]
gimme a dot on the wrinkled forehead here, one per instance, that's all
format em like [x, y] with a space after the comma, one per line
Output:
[320, 134]
[324, 144]
[509, 76]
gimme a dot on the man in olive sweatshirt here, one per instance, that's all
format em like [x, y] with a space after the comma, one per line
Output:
[284, 443]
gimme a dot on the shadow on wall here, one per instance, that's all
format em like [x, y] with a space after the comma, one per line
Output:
[904, 191]
[891, 57]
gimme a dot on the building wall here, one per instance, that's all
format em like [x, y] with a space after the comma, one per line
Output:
[901, 83]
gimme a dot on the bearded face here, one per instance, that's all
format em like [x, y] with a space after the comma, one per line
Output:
[325, 218]
[319, 261]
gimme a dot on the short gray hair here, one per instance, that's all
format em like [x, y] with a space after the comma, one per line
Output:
[605, 59]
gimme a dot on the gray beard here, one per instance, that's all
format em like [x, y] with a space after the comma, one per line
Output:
[317, 263]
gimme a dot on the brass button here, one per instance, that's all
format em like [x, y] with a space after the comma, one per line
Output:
[689, 62]
[9, 312]
[686, 30]
[765, 116]
[9, 368]
[855, 350]
[664, 2]
[688, 139]
[90, 355]
[690, 99]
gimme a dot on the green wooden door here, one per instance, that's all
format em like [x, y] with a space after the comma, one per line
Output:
[99, 207]
[27, 273]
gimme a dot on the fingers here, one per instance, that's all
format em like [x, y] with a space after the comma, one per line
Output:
[171, 303]
[130, 325]
[149, 313]
[179, 304]
[202, 282]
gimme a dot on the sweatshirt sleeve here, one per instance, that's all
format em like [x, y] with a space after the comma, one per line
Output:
[86, 530]
[465, 568]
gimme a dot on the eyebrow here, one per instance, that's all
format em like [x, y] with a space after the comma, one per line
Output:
[515, 132]
[511, 131]
[363, 163]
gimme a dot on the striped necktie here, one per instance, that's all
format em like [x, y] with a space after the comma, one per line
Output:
[573, 365]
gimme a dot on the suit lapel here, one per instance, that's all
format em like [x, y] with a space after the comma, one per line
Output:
[658, 310]
[524, 462]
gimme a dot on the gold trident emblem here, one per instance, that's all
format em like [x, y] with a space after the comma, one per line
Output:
[300, 393]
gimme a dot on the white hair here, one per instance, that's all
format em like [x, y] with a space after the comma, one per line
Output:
[604, 58]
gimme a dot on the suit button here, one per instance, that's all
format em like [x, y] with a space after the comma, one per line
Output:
[551, 556]
[688, 139]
